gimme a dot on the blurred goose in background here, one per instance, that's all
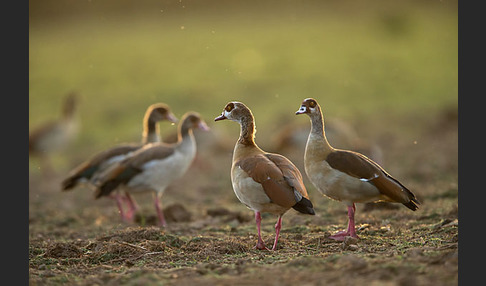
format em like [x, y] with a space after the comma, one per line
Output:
[155, 166]
[264, 182]
[347, 176]
[56, 135]
[87, 172]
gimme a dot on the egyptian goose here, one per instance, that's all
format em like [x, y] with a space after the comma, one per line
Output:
[155, 166]
[264, 182]
[56, 135]
[347, 176]
[88, 171]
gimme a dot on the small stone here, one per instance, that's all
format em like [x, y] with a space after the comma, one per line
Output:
[177, 213]
[350, 240]
[350, 243]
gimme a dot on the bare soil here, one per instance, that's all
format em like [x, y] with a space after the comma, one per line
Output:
[77, 240]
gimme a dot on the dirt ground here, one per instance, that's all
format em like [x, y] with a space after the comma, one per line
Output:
[77, 240]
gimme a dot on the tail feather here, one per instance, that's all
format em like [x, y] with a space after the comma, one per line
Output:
[304, 206]
[106, 188]
[395, 191]
[69, 183]
[83, 172]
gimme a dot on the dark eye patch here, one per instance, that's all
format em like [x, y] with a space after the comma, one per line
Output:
[229, 107]
[312, 103]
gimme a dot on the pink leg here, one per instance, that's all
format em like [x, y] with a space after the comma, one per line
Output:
[351, 226]
[278, 226]
[351, 230]
[132, 206]
[160, 214]
[260, 244]
[118, 200]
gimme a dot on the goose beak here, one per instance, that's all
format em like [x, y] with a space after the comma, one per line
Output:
[172, 118]
[301, 110]
[203, 126]
[221, 117]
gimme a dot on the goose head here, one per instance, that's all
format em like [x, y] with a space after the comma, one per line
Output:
[310, 107]
[160, 111]
[235, 111]
[70, 104]
[193, 120]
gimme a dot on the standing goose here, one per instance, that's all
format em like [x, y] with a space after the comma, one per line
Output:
[53, 136]
[155, 166]
[263, 181]
[347, 176]
[88, 171]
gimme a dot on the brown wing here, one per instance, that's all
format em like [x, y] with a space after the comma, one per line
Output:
[118, 174]
[89, 167]
[112, 152]
[153, 151]
[353, 164]
[262, 170]
[365, 169]
[131, 166]
[291, 174]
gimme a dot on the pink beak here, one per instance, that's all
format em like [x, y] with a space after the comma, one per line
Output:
[221, 117]
[202, 125]
[172, 118]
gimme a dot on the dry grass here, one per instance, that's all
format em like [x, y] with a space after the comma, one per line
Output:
[80, 241]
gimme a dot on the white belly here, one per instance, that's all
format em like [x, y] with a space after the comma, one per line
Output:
[247, 190]
[158, 174]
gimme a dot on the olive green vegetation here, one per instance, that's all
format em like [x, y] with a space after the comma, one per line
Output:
[359, 61]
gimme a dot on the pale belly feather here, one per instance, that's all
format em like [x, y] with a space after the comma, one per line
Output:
[252, 193]
[340, 186]
[159, 174]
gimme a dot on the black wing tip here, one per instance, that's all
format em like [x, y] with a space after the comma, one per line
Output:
[304, 206]
[413, 204]
[100, 192]
[68, 184]
[106, 188]
[76, 176]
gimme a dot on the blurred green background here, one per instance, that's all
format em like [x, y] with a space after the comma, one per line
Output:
[362, 60]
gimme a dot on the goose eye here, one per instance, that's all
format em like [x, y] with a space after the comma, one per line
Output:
[312, 104]
[229, 107]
